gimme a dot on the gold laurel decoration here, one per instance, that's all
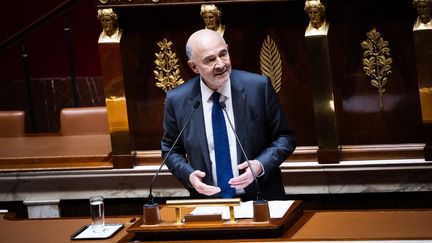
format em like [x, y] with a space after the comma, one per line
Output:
[168, 72]
[377, 62]
[270, 61]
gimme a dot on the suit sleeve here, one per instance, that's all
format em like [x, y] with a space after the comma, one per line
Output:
[280, 133]
[176, 161]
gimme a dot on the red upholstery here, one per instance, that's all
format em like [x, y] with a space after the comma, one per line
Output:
[84, 121]
[12, 123]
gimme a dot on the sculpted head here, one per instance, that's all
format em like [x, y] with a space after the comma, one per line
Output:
[211, 16]
[315, 10]
[424, 10]
[108, 19]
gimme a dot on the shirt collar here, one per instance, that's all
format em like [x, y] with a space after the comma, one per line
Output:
[225, 91]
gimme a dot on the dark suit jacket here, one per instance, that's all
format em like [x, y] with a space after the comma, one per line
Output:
[261, 126]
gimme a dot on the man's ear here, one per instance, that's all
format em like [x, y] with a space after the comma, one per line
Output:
[192, 66]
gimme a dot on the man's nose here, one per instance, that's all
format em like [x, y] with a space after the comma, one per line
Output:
[219, 63]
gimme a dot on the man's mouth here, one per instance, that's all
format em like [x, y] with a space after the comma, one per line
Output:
[221, 73]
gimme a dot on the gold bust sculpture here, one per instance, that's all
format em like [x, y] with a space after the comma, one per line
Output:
[212, 18]
[109, 21]
[424, 12]
[317, 22]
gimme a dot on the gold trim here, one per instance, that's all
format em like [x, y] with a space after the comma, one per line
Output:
[204, 202]
[168, 76]
[377, 62]
[271, 64]
[179, 204]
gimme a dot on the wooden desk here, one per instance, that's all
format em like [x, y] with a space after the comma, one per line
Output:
[55, 152]
[50, 230]
[363, 225]
[312, 226]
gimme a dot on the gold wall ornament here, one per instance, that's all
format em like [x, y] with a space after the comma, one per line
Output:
[270, 61]
[377, 62]
[168, 72]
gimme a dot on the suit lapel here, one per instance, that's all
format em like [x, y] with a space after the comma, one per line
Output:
[239, 108]
[198, 126]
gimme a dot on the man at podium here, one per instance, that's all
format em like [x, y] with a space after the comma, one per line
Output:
[216, 121]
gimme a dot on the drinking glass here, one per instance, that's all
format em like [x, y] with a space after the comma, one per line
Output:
[97, 213]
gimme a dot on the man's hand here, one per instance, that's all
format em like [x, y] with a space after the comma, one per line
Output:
[195, 179]
[246, 178]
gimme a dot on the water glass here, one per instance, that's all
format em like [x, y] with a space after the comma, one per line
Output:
[97, 213]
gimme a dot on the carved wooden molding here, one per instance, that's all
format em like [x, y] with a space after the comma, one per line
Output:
[134, 3]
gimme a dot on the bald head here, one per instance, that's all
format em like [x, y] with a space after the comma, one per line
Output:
[208, 56]
[200, 38]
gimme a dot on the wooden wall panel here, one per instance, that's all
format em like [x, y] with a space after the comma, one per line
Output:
[247, 26]
[360, 122]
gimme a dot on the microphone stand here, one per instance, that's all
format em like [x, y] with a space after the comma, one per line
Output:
[260, 206]
[151, 209]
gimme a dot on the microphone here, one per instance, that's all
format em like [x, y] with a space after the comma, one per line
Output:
[222, 104]
[152, 217]
[261, 210]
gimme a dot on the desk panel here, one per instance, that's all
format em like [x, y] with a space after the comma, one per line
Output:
[380, 225]
[365, 225]
[50, 230]
[55, 152]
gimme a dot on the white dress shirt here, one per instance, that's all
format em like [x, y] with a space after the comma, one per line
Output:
[207, 102]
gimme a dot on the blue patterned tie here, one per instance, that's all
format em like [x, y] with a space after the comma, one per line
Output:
[222, 152]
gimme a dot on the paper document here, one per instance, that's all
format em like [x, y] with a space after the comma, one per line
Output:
[87, 233]
[244, 210]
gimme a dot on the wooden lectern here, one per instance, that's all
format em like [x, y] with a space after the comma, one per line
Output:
[174, 226]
